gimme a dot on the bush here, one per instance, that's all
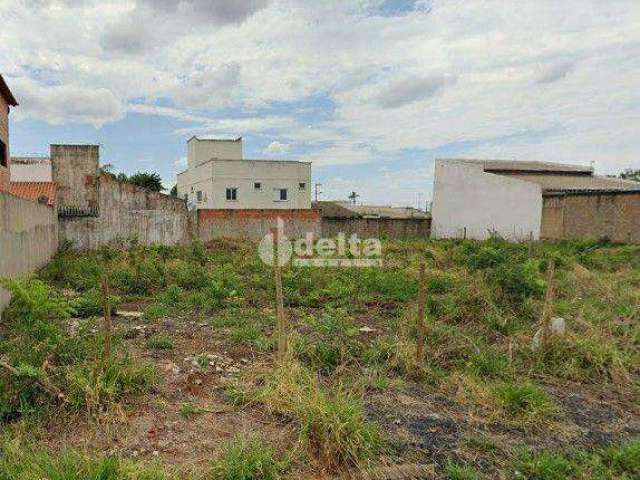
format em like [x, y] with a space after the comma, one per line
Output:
[246, 459]
[155, 310]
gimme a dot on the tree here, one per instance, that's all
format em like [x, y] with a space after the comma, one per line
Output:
[629, 174]
[149, 180]
[174, 191]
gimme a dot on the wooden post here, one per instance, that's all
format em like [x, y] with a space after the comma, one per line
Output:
[107, 319]
[530, 244]
[464, 236]
[421, 312]
[548, 302]
[281, 323]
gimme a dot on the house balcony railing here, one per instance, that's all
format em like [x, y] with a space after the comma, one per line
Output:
[77, 212]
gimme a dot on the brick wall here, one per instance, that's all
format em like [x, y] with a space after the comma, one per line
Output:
[613, 216]
[397, 228]
[255, 224]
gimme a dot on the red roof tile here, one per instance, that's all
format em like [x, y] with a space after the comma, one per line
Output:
[35, 191]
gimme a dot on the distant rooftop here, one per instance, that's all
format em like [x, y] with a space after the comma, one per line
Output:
[6, 93]
[344, 209]
[214, 139]
[526, 166]
[44, 192]
[555, 177]
[28, 160]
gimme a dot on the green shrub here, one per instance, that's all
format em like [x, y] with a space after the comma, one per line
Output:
[247, 459]
[160, 341]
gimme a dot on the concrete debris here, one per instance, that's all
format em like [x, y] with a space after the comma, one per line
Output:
[367, 329]
[558, 328]
[130, 314]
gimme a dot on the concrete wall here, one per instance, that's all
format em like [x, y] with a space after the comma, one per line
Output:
[255, 224]
[377, 227]
[613, 216]
[4, 136]
[31, 170]
[127, 211]
[200, 150]
[28, 238]
[465, 196]
[75, 171]
[214, 177]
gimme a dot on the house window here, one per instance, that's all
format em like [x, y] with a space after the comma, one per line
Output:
[302, 186]
[3, 154]
[281, 195]
[232, 194]
[257, 185]
[199, 195]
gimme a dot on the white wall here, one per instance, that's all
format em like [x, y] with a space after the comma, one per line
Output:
[213, 179]
[201, 150]
[465, 196]
[30, 172]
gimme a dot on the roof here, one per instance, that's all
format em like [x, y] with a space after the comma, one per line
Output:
[349, 210]
[204, 139]
[30, 160]
[6, 93]
[35, 191]
[525, 166]
[571, 183]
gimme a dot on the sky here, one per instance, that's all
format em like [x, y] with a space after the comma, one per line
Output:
[370, 91]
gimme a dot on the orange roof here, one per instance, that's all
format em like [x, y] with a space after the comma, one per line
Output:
[35, 191]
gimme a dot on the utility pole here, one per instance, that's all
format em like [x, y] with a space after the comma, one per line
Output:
[353, 197]
[317, 191]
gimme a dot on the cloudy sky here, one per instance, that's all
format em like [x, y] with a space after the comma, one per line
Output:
[371, 91]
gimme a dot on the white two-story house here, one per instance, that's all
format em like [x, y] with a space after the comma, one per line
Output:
[219, 177]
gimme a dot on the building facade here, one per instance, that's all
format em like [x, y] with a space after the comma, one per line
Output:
[540, 200]
[218, 177]
[7, 100]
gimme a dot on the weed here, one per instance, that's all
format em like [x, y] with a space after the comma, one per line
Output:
[160, 342]
[526, 402]
[155, 310]
[331, 421]
[546, 466]
[456, 471]
[247, 459]
[188, 410]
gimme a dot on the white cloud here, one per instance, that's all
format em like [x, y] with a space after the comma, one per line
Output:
[276, 148]
[535, 78]
[62, 104]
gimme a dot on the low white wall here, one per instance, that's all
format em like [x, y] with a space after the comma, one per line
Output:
[28, 238]
[464, 196]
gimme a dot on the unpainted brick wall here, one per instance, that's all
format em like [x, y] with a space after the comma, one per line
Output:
[612, 216]
[253, 225]
[4, 136]
[394, 228]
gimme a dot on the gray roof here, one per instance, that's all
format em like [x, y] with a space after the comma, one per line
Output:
[525, 166]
